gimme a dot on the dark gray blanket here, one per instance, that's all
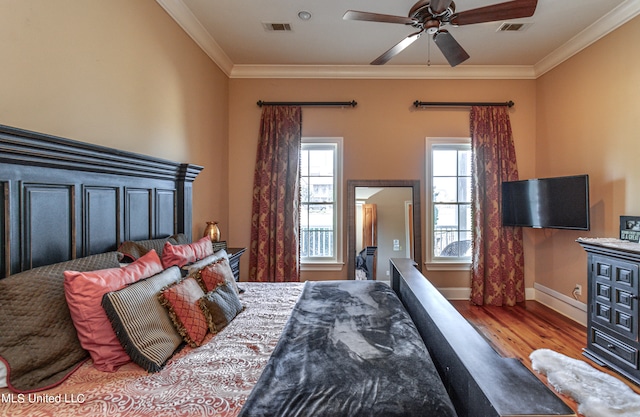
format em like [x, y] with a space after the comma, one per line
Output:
[349, 349]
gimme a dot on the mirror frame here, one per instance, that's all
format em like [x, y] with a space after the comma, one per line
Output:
[351, 218]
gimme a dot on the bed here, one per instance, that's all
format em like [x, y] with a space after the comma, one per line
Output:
[212, 380]
[67, 201]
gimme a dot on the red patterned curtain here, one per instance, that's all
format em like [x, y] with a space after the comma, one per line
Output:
[497, 276]
[275, 219]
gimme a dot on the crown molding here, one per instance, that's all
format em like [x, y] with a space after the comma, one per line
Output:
[192, 26]
[598, 30]
[396, 72]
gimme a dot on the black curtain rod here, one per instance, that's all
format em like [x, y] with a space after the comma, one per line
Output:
[351, 103]
[418, 103]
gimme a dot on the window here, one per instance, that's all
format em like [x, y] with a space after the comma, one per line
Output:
[320, 209]
[449, 193]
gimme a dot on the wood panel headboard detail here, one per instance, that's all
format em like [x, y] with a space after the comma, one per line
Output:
[62, 199]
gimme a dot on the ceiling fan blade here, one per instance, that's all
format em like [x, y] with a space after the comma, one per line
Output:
[502, 11]
[451, 49]
[395, 50]
[439, 6]
[377, 17]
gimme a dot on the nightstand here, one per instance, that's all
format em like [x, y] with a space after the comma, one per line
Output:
[234, 260]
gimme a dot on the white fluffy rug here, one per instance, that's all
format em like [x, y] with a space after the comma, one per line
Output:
[597, 393]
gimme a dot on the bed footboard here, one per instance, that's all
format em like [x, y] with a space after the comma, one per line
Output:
[480, 382]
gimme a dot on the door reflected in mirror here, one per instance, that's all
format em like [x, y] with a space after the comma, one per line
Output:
[384, 223]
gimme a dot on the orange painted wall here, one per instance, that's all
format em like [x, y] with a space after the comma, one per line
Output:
[588, 121]
[384, 136]
[121, 74]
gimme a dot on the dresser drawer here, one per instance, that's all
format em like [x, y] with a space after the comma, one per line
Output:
[615, 348]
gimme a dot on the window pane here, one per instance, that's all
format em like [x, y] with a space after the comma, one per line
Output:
[445, 189]
[304, 163]
[321, 215]
[444, 162]
[464, 163]
[317, 234]
[465, 216]
[464, 189]
[446, 216]
[304, 189]
[321, 189]
[316, 242]
[321, 162]
[458, 248]
[443, 237]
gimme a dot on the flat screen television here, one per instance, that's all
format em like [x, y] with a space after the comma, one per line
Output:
[556, 203]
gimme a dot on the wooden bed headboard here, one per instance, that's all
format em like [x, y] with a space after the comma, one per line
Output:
[63, 199]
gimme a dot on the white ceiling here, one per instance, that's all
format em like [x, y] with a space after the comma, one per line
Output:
[232, 33]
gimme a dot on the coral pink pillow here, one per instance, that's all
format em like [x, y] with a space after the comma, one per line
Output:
[180, 255]
[218, 273]
[84, 291]
[181, 300]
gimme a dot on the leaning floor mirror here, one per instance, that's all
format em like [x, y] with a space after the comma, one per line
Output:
[383, 222]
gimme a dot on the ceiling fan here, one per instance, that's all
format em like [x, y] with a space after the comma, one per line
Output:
[430, 15]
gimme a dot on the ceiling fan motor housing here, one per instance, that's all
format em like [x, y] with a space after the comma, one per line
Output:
[426, 18]
[422, 12]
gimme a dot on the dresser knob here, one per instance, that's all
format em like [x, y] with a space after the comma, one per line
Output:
[610, 346]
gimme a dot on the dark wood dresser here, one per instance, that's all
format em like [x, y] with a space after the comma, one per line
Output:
[612, 321]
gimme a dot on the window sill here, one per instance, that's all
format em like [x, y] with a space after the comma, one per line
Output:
[448, 266]
[321, 266]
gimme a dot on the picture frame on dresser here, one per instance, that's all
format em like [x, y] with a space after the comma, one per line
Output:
[630, 228]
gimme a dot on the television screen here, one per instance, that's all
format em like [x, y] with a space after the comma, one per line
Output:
[557, 203]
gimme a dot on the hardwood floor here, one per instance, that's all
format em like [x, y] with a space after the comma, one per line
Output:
[515, 332]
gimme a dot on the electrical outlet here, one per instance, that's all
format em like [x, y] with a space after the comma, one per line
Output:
[578, 289]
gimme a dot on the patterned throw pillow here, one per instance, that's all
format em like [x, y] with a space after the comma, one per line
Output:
[180, 255]
[181, 300]
[220, 307]
[141, 323]
[198, 265]
[216, 274]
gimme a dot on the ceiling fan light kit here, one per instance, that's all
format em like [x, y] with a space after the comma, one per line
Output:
[430, 15]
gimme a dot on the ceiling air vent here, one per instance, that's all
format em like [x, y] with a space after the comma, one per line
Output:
[513, 27]
[277, 27]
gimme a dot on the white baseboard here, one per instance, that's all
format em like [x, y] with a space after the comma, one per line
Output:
[567, 306]
[461, 293]
[456, 293]
[574, 309]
